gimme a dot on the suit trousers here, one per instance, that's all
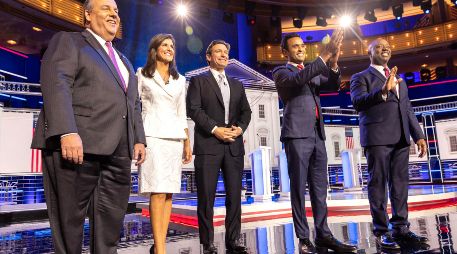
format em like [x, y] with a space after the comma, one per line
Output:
[307, 163]
[206, 175]
[388, 170]
[98, 188]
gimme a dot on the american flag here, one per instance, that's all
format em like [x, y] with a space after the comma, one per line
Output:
[36, 166]
[349, 138]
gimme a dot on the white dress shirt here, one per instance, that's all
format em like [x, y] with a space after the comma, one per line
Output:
[124, 71]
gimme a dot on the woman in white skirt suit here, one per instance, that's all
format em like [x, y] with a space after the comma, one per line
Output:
[162, 91]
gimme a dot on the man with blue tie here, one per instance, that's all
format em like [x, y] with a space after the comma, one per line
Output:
[303, 134]
[89, 130]
[386, 122]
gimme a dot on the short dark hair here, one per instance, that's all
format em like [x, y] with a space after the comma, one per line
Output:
[214, 43]
[286, 38]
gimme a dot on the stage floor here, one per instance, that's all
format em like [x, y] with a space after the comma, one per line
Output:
[274, 235]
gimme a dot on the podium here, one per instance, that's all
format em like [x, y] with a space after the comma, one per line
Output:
[351, 173]
[261, 174]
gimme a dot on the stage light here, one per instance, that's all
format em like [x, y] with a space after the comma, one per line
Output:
[37, 29]
[426, 6]
[370, 16]
[228, 18]
[397, 11]
[11, 42]
[251, 20]
[321, 21]
[345, 21]
[298, 23]
[425, 74]
[182, 10]
[409, 78]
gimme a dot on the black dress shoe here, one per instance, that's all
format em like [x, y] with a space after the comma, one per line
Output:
[151, 250]
[209, 248]
[409, 237]
[386, 241]
[236, 247]
[305, 246]
[333, 244]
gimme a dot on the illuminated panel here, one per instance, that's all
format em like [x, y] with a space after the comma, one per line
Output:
[401, 41]
[42, 5]
[351, 47]
[69, 10]
[450, 30]
[429, 35]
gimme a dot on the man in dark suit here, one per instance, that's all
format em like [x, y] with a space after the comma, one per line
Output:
[219, 107]
[386, 123]
[303, 134]
[89, 130]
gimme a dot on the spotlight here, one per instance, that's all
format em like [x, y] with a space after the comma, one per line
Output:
[409, 78]
[426, 6]
[345, 21]
[425, 74]
[370, 16]
[298, 23]
[228, 18]
[182, 10]
[321, 21]
[397, 10]
[251, 20]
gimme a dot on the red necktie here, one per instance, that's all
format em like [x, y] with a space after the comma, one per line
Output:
[386, 72]
[300, 67]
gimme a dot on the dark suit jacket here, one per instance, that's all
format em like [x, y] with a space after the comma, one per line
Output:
[382, 122]
[206, 108]
[82, 93]
[299, 91]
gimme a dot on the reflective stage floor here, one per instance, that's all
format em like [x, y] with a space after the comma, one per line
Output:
[265, 236]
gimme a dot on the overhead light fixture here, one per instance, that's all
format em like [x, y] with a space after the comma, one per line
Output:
[298, 23]
[321, 21]
[370, 16]
[426, 6]
[37, 29]
[346, 21]
[182, 10]
[228, 18]
[397, 11]
[11, 42]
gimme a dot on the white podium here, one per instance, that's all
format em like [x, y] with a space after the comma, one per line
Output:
[351, 171]
[261, 174]
[284, 180]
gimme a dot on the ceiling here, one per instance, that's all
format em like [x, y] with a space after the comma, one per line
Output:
[20, 30]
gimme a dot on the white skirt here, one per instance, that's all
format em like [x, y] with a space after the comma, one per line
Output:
[161, 171]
